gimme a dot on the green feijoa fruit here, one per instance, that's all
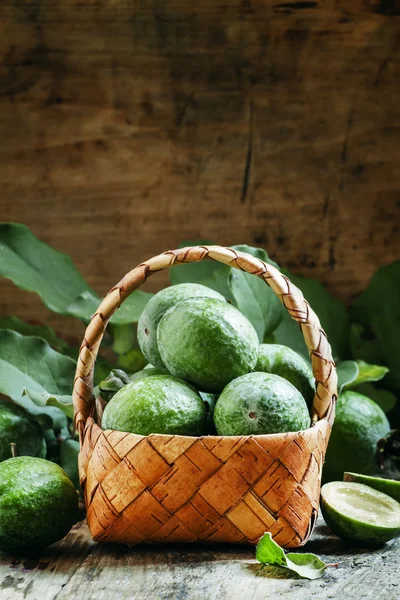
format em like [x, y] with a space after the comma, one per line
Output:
[156, 404]
[260, 403]
[155, 310]
[17, 426]
[357, 512]
[359, 424]
[38, 503]
[207, 342]
[283, 361]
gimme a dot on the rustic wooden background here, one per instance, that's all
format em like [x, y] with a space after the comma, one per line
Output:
[127, 126]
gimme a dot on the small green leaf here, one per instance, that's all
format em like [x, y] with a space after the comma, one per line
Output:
[69, 460]
[352, 373]
[269, 552]
[34, 266]
[308, 566]
[368, 373]
[42, 331]
[347, 373]
[30, 368]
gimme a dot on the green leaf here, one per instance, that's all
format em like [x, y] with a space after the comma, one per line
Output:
[308, 566]
[86, 304]
[352, 373]
[211, 273]
[34, 266]
[369, 373]
[49, 417]
[269, 552]
[30, 370]
[385, 399]
[378, 311]
[254, 298]
[69, 460]
[43, 331]
[347, 373]
[64, 403]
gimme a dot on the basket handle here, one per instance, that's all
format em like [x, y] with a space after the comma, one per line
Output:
[292, 298]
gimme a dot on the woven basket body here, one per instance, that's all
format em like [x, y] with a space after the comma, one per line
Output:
[166, 488]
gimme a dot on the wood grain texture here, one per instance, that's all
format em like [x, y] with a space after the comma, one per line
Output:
[128, 126]
[77, 567]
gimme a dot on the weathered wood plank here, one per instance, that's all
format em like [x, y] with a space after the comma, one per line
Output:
[42, 577]
[78, 568]
[127, 126]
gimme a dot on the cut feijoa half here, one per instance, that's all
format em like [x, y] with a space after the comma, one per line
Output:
[357, 512]
[387, 486]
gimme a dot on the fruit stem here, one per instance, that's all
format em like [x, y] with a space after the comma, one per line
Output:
[13, 446]
[332, 565]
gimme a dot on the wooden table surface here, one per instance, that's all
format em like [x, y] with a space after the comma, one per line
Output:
[77, 567]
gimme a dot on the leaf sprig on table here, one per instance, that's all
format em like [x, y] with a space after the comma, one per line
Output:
[306, 565]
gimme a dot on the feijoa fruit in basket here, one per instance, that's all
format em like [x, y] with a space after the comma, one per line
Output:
[207, 342]
[359, 424]
[38, 503]
[157, 307]
[283, 361]
[156, 404]
[260, 403]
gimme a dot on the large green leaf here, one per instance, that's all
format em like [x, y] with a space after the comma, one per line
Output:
[254, 298]
[378, 311]
[34, 266]
[43, 331]
[30, 368]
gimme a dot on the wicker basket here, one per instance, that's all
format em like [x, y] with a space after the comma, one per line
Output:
[171, 488]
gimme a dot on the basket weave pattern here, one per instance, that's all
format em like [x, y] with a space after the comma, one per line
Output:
[166, 488]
